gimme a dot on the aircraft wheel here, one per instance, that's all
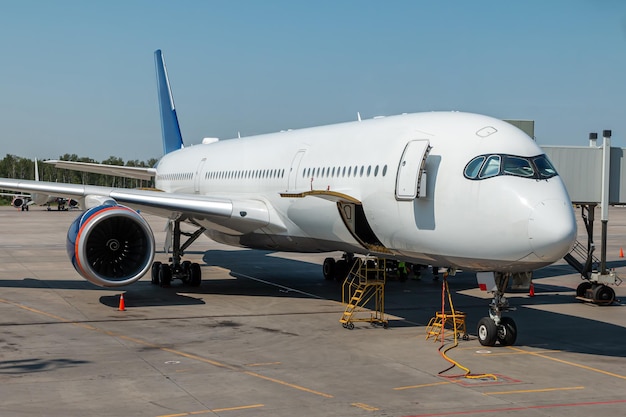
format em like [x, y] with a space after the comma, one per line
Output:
[328, 268]
[154, 273]
[487, 332]
[581, 290]
[195, 275]
[603, 295]
[341, 270]
[507, 332]
[184, 266]
[165, 275]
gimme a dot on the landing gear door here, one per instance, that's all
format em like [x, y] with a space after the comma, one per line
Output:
[347, 212]
[411, 179]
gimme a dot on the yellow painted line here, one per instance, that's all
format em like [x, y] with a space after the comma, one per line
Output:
[173, 351]
[215, 410]
[263, 364]
[423, 385]
[34, 310]
[577, 365]
[526, 391]
[287, 384]
[523, 352]
[365, 407]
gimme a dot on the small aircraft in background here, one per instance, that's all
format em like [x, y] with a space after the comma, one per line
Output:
[24, 201]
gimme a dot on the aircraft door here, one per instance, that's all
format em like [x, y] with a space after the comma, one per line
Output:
[293, 171]
[411, 179]
[198, 176]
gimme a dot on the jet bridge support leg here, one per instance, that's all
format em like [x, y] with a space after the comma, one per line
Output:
[186, 271]
[596, 279]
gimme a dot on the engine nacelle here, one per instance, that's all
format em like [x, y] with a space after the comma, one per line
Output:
[18, 202]
[110, 245]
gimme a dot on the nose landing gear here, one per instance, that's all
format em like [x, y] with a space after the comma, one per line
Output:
[495, 328]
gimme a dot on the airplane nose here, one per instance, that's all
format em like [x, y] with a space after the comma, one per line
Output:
[552, 229]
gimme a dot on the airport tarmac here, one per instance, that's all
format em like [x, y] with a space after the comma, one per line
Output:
[261, 337]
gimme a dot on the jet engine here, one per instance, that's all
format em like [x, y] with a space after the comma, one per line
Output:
[110, 245]
[18, 202]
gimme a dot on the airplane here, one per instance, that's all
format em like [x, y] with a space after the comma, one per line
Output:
[24, 201]
[19, 201]
[452, 189]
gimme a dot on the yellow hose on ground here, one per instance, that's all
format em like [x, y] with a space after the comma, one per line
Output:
[468, 374]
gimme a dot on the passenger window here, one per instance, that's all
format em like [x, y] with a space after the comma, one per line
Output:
[491, 168]
[472, 169]
[384, 170]
[514, 165]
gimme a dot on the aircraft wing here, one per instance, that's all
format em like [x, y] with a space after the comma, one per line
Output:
[14, 195]
[238, 214]
[115, 170]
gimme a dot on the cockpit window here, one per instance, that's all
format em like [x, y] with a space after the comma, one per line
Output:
[518, 166]
[487, 166]
[491, 167]
[544, 167]
[472, 169]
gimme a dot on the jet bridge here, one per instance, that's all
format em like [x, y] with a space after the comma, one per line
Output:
[594, 175]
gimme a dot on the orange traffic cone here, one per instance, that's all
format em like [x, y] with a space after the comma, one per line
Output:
[122, 306]
[621, 252]
[531, 293]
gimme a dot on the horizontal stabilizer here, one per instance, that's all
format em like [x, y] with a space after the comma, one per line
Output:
[115, 170]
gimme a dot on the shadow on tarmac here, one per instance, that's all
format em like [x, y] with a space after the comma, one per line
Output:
[25, 366]
[259, 273]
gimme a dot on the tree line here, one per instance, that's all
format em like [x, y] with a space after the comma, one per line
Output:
[12, 166]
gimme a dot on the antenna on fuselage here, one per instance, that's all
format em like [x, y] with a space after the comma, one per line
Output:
[358, 116]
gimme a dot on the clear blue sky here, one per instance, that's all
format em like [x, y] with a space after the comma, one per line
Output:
[78, 76]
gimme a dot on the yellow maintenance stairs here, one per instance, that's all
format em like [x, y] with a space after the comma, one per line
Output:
[365, 282]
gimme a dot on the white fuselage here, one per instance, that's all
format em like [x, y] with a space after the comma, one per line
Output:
[503, 223]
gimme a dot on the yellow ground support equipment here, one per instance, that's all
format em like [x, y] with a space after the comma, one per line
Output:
[365, 282]
[454, 321]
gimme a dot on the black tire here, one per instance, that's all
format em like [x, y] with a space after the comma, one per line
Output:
[341, 270]
[195, 275]
[165, 275]
[328, 268]
[603, 295]
[507, 331]
[487, 332]
[184, 269]
[581, 290]
[154, 273]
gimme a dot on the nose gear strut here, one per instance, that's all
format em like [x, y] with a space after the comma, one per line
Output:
[496, 328]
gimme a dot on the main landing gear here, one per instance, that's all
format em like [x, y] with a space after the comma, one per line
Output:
[338, 270]
[188, 272]
[496, 328]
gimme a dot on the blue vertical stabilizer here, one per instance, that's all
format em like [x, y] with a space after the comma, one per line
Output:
[172, 139]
